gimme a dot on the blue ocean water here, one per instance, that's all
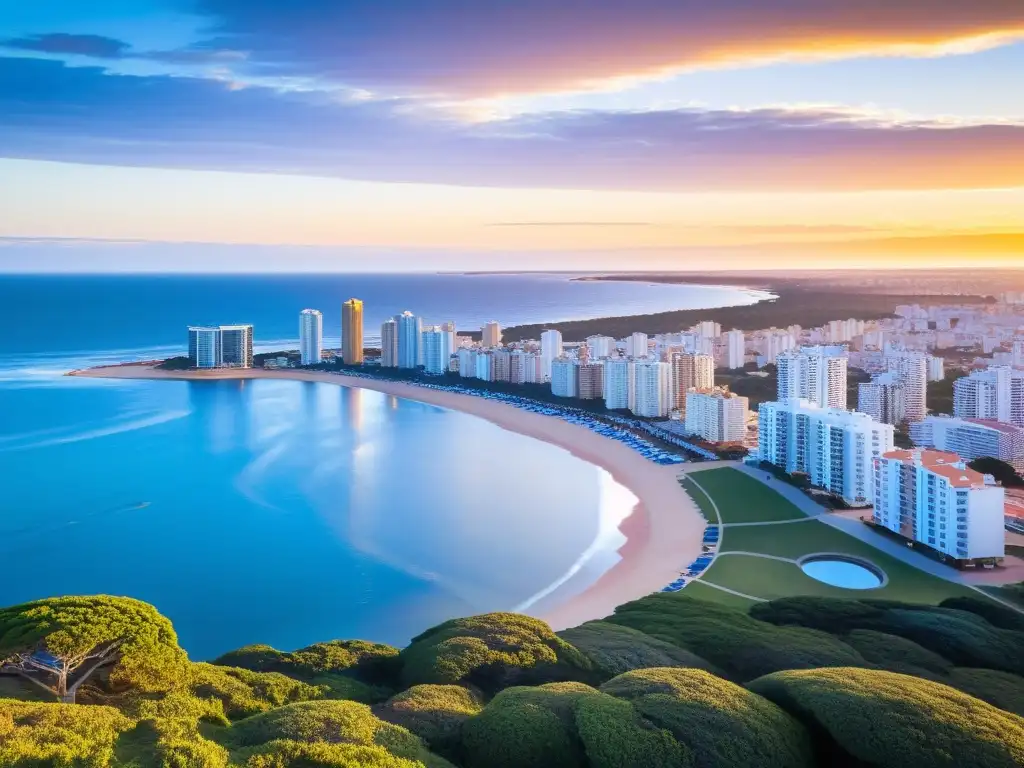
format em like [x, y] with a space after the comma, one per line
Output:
[284, 512]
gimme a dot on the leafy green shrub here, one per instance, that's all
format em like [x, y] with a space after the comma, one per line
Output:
[435, 713]
[964, 638]
[527, 728]
[331, 721]
[38, 735]
[297, 754]
[1000, 689]
[742, 647]
[829, 614]
[614, 735]
[889, 720]
[897, 654]
[721, 723]
[246, 693]
[142, 646]
[370, 662]
[492, 651]
[995, 614]
[615, 648]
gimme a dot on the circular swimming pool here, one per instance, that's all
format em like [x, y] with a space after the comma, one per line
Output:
[842, 571]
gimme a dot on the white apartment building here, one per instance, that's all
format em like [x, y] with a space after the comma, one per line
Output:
[619, 381]
[550, 349]
[436, 351]
[936, 368]
[453, 337]
[564, 377]
[221, 346]
[775, 343]
[484, 365]
[815, 374]
[652, 388]
[717, 416]
[204, 346]
[995, 394]
[884, 399]
[501, 361]
[933, 498]
[911, 370]
[709, 329]
[311, 336]
[410, 340]
[971, 439]
[525, 367]
[467, 362]
[637, 345]
[833, 446]
[735, 349]
[389, 343]
[600, 346]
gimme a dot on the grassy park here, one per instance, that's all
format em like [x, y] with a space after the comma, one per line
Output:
[741, 500]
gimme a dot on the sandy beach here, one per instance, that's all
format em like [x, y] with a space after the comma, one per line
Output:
[663, 532]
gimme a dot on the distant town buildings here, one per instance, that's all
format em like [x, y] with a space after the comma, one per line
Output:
[352, 332]
[933, 498]
[716, 416]
[834, 447]
[816, 374]
[222, 346]
[311, 336]
[971, 438]
[600, 346]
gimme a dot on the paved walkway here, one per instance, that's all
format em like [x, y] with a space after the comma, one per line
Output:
[757, 554]
[733, 592]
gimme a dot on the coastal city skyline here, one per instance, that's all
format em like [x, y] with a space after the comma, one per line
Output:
[512, 383]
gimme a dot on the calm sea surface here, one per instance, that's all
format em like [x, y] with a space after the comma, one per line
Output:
[284, 512]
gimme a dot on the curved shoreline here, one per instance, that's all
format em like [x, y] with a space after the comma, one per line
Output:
[663, 533]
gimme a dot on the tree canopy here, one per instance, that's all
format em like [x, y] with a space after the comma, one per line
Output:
[60, 642]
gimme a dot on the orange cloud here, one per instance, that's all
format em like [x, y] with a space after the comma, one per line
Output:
[477, 48]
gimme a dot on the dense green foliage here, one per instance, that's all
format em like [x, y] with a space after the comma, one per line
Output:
[435, 713]
[616, 648]
[1004, 473]
[243, 692]
[721, 723]
[492, 651]
[58, 734]
[69, 628]
[890, 720]
[657, 685]
[742, 647]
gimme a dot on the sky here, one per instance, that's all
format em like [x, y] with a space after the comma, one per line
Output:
[273, 135]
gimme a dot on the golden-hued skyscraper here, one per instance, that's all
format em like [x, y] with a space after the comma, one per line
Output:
[352, 332]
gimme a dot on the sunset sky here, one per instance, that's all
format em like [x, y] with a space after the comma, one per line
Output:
[510, 134]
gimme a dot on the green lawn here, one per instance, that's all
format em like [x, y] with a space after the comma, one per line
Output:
[742, 499]
[704, 592]
[701, 499]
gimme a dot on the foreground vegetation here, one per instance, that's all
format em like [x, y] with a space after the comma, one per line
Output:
[668, 681]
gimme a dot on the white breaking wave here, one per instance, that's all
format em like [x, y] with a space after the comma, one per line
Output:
[617, 503]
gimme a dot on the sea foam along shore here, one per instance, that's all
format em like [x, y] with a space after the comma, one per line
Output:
[663, 533]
